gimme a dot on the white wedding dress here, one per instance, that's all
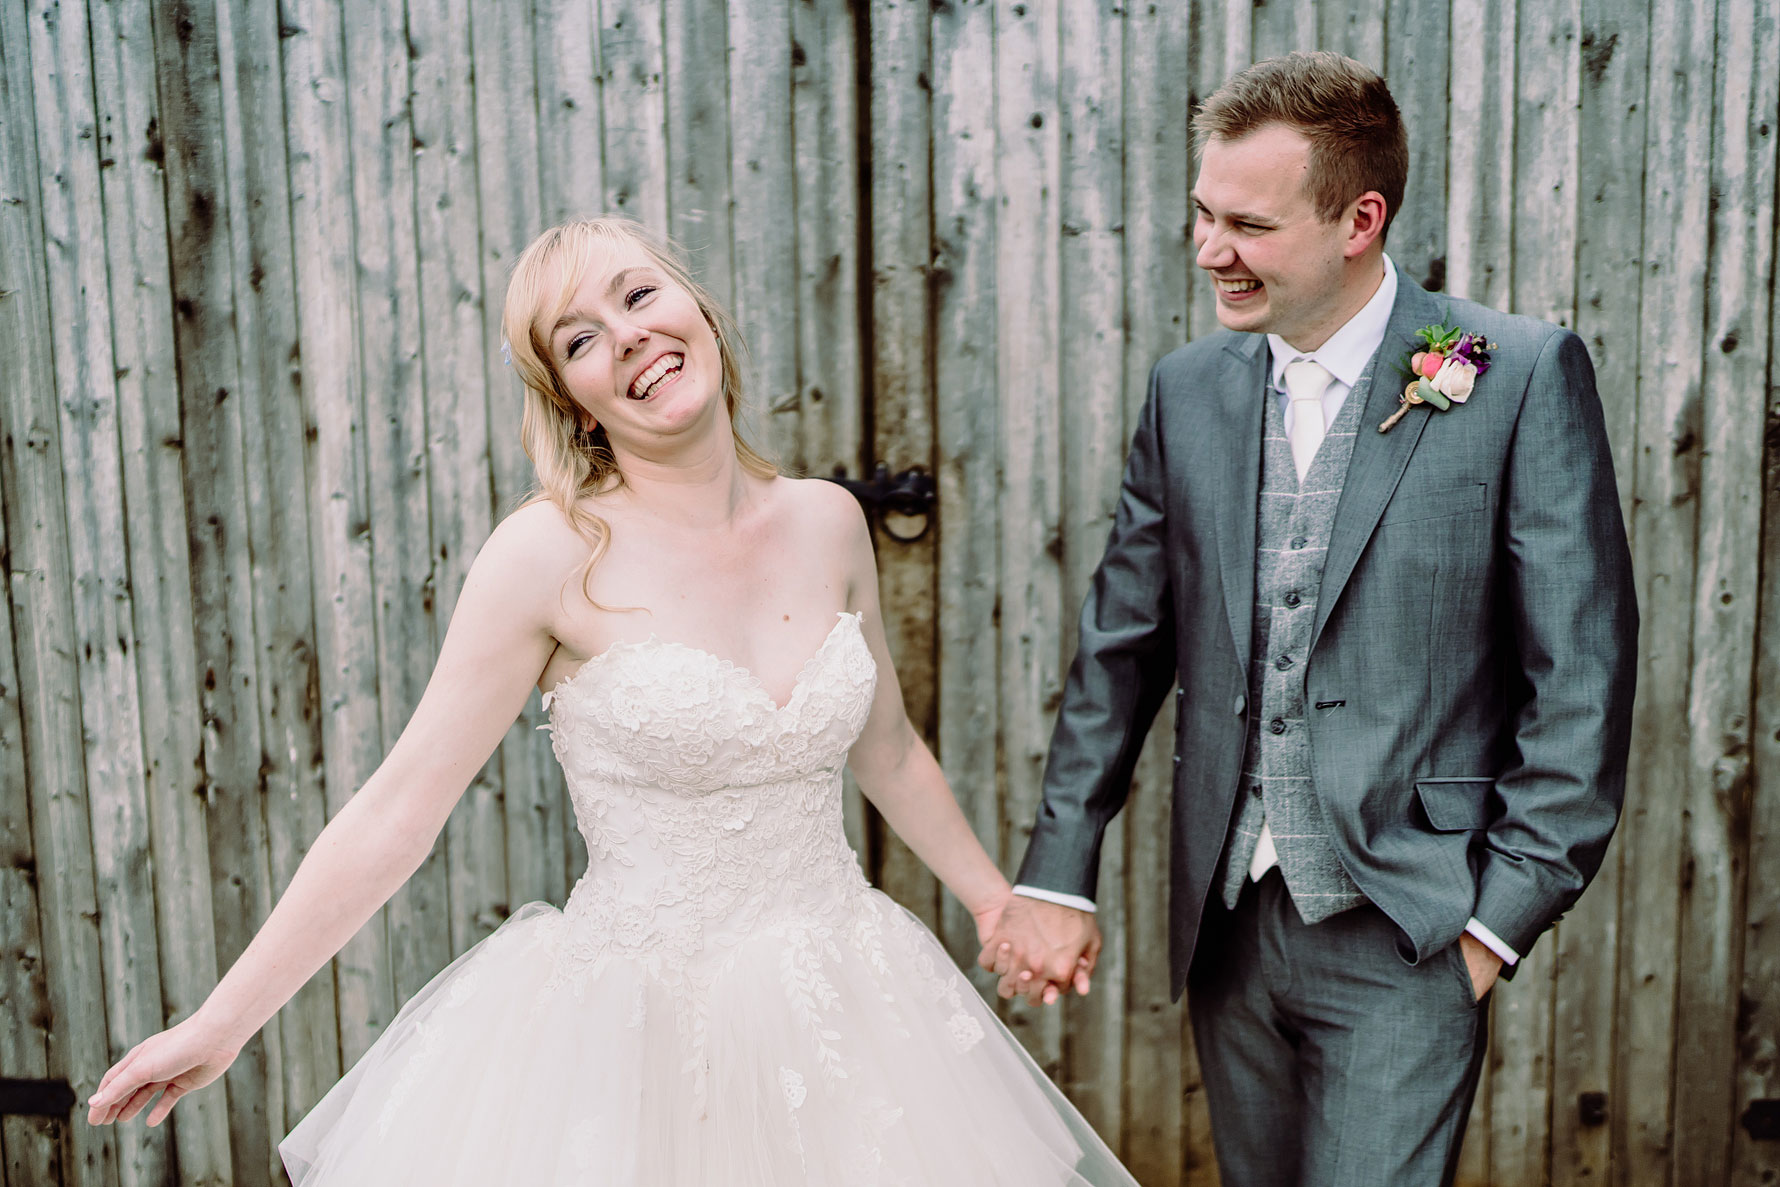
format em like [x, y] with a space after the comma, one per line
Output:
[723, 1001]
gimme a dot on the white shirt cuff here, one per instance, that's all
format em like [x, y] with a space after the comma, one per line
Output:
[1488, 939]
[1062, 900]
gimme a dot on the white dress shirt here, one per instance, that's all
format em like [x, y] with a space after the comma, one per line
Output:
[1344, 356]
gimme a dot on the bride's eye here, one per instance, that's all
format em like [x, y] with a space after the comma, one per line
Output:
[637, 294]
[576, 343]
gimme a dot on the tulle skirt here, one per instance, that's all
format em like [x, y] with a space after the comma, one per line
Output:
[819, 1054]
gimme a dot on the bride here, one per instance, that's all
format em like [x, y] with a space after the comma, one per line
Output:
[723, 999]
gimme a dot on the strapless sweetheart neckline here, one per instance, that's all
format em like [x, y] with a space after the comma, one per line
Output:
[724, 665]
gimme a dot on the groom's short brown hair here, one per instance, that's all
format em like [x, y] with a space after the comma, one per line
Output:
[1357, 140]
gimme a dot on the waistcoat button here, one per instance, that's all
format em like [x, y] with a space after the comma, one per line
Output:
[1277, 725]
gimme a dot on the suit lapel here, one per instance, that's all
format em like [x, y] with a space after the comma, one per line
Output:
[1379, 459]
[1240, 409]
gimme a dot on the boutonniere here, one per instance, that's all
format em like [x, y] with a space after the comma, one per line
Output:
[1443, 372]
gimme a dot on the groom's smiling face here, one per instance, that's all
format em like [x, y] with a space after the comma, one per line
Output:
[1276, 266]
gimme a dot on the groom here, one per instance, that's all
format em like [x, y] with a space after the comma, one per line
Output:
[1404, 658]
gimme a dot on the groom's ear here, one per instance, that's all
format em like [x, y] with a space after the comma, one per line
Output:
[1365, 218]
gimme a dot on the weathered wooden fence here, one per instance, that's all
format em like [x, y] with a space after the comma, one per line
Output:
[255, 425]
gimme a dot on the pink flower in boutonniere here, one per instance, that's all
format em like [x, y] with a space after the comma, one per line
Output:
[1444, 373]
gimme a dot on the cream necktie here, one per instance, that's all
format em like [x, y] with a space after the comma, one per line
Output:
[1305, 383]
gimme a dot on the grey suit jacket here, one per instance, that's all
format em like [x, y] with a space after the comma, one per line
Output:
[1471, 668]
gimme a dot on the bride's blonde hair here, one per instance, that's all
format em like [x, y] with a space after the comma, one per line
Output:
[572, 462]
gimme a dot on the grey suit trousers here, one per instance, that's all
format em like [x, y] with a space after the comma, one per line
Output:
[1328, 1060]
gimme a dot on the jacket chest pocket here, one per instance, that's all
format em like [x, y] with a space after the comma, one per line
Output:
[1410, 506]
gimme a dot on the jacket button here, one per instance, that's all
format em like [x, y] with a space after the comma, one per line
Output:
[1241, 705]
[1180, 692]
[1177, 760]
[1277, 725]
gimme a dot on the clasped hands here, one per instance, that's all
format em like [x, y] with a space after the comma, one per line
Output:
[1040, 950]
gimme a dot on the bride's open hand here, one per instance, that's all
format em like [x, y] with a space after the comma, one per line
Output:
[176, 1061]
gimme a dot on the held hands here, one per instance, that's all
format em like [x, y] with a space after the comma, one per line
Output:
[1041, 950]
[173, 1063]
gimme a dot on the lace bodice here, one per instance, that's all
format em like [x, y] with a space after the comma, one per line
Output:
[704, 803]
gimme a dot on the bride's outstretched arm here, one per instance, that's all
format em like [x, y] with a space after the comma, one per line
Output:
[898, 773]
[495, 649]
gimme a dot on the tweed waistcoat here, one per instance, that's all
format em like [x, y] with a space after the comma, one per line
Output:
[1292, 541]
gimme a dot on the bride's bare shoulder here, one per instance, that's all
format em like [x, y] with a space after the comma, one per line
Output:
[537, 543]
[822, 507]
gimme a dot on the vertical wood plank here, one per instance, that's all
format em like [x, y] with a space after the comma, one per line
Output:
[900, 201]
[700, 214]
[762, 188]
[85, 386]
[389, 347]
[1543, 285]
[1158, 274]
[221, 690]
[1736, 369]
[966, 422]
[1091, 422]
[1677, 166]
[830, 375]
[1027, 324]
[29, 1146]
[504, 840]
[281, 761]
[631, 68]
[570, 169]
[1610, 187]
[1480, 194]
[317, 136]
[1758, 1016]
[1416, 64]
[40, 598]
[37, 723]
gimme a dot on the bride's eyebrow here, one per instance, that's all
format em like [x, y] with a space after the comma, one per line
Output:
[570, 317]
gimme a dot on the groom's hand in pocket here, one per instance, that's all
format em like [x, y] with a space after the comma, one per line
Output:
[1041, 950]
[1483, 965]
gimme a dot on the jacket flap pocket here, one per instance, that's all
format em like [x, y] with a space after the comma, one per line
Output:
[1406, 506]
[1456, 805]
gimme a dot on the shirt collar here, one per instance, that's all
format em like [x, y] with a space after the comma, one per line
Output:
[1348, 349]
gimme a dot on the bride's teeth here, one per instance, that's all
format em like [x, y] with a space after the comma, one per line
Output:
[645, 384]
[1239, 286]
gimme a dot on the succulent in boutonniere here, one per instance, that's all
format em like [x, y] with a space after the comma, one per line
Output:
[1443, 372]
